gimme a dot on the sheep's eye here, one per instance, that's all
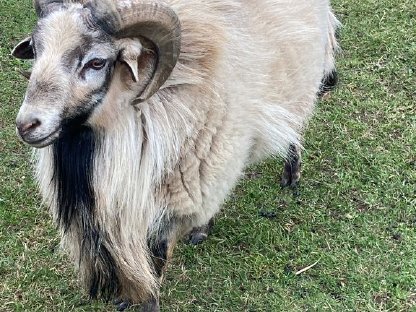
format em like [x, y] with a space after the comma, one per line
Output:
[96, 64]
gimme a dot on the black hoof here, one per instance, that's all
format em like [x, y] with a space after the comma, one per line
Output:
[268, 214]
[121, 305]
[288, 182]
[196, 238]
[150, 306]
[200, 234]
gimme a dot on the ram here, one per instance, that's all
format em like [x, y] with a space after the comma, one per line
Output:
[144, 114]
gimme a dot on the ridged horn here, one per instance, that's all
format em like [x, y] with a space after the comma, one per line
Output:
[152, 20]
[44, 7]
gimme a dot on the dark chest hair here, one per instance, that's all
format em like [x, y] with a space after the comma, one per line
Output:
[73, 163]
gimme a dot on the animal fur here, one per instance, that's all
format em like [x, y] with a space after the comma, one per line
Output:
[128, 176]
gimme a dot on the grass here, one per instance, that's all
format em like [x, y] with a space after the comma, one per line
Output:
[356, 213]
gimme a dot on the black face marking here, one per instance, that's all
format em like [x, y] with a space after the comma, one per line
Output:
[75, 55]
[78, 53]
[73, 162]
[79, 115]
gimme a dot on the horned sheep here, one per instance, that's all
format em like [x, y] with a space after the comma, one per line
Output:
[144, 115]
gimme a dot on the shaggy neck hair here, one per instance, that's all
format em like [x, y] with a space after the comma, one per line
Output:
[73, 174]
[104, 190]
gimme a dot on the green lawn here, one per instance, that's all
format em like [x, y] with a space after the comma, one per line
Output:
[355, 215]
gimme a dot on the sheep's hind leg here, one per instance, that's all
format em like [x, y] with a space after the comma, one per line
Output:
[291, 169]
[328, 83]
[200, 234]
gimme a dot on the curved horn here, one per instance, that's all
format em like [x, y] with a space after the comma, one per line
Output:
[154, 21]
[44, 7]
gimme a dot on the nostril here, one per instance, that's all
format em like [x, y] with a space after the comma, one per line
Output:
[28, 126]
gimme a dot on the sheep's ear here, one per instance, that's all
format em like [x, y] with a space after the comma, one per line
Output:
[130, 51]
[24, 50]
[139, 60]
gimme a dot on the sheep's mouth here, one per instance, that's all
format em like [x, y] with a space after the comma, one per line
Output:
[45, 141]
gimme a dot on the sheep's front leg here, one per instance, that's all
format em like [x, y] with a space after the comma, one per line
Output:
[121, 304]
[200, 234]
[291, 169]
[160, 252]
[152, 305]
